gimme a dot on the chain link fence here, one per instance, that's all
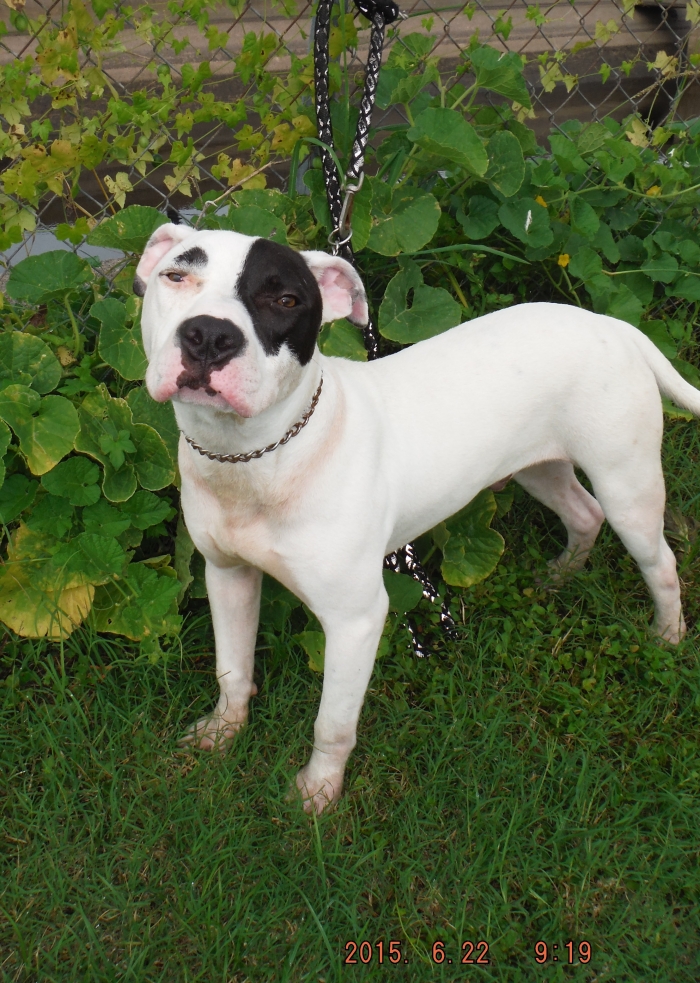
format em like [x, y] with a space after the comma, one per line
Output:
[584, 60]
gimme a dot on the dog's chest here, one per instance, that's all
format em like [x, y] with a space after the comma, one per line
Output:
[230, 521]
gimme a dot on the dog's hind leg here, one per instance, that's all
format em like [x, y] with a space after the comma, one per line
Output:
[633, 496]
[234, 595]
[555, 485]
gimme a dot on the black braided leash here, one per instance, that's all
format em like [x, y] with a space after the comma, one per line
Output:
[340, 196]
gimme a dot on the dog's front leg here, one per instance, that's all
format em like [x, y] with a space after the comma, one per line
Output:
[234, 595]
[351, 647]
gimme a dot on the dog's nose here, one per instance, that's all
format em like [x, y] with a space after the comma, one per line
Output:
[210, 341]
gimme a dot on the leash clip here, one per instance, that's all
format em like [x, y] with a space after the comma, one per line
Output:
[343, 227]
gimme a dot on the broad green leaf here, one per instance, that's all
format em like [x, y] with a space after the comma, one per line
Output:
[446, 133]
[689, 251]
[102, 415]
[344, 340]
[404, 591]
[314, 644]
[120, 346]
[119, 486]
[586, 263]
[408, 278]
[361, 216]
[631, 249]
[473, 549]
[153, 464]
[507, 167]
[269, 199]
[160, 416]
[584, 219]
[251, 220]
[686, 287]
[658, 332]
[16, 495]
[592, 137]
[641, 286]
[52, 515]
[89, 559]
[276, 605]
[624, 304]
[689, 372]
[75, 479]
[389, 78]
[407, 88]
[603, 240]
[184, 550]
[661, 268]
[482, 218]
[46, 427]
[103, 418]
[5, 437]
[38, 279]
[143, 604]
[145, 509]
[128, 230]
[313, 179]
[564, 149]
[410, 223]
[501, 73]
[102, 518]
[528, 221]
[433, 311]
[27, 361]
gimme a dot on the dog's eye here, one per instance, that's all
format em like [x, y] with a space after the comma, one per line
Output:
[175, 277]
[287, 301]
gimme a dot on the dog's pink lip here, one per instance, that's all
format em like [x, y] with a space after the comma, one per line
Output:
[162, 393]
[218, 401]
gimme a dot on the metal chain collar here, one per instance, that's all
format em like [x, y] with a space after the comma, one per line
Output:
[253, 455]
[380, 13]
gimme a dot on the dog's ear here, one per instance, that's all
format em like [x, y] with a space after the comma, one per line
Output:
[160, 243]
[342, 291]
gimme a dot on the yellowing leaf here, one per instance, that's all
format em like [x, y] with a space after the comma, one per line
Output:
[119, 187]
[35, 613]
[314, 644]
[637, 134]
[603, 32]
[666, 64]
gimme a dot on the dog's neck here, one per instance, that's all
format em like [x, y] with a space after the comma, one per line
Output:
[228, 433]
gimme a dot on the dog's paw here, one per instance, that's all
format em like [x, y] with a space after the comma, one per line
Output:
[212, 733]
[317, 795]
[561, 568]
[672, 635]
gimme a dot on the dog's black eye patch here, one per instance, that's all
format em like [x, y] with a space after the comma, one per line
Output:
[271, 272]
[192, 257]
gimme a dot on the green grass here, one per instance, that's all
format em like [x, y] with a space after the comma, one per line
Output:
[536, 780]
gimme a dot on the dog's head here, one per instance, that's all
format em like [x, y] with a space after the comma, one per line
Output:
[230, 321]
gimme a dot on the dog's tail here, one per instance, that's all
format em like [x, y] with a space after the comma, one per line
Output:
[669, 380]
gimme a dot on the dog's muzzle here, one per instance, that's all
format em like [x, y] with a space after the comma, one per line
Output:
[207, 344]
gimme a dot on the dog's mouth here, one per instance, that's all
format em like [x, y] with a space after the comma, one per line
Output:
[203, 396]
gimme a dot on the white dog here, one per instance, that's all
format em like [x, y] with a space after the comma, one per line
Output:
[382, 452]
